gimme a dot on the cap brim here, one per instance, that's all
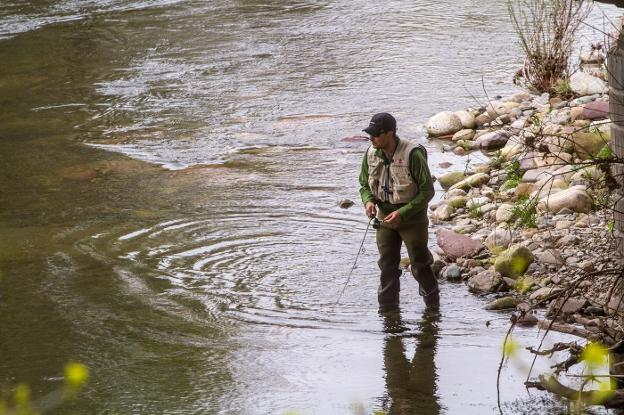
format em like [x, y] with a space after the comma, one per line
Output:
[372, 130]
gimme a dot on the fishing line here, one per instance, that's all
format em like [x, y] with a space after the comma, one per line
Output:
[376, 225]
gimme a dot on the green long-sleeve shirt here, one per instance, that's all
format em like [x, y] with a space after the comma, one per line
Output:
[421, 175]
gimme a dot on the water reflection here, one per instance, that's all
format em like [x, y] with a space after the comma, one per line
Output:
[411, 384]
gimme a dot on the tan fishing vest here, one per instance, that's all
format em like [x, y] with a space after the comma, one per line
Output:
[392, 182]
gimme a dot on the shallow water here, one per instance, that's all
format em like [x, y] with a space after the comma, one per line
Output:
[170, 179]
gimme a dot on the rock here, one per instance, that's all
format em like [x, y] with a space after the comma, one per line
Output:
[498, 239]
[514, 261]
[467, 119]
[596, 110]
[511, 283]
[346, 203]
[551, 257]
[443, 123]
[443, 212]
[504, 213]
[519, 97]
[573, 198]
[476, 180]
[449, 179]
[477, 201]
[455, 245]
[465, 134]
[584, 100]
[460, 151]
[524, 189]
[542, 293]
[568, 240]
[493, 140]
[584, 84]
[445, 165]
[457, 201]
[503, 303]
[454, 193]
[488, 281]
[452, 272]
[587, 266]
[571, 306]
[483, 119]
[587, 144]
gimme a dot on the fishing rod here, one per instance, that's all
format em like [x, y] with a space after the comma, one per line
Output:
[376, 225]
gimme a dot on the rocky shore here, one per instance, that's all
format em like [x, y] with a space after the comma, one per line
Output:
[534, 226]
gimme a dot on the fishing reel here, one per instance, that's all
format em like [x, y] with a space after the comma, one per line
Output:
[376, 223]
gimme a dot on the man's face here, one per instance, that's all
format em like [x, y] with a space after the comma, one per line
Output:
[382, 140]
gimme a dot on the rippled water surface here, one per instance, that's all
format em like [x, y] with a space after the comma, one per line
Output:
[169, 187]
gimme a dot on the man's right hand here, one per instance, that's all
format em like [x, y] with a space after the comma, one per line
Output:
[371, 210]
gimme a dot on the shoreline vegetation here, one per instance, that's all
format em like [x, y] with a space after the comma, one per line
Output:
[534, 227]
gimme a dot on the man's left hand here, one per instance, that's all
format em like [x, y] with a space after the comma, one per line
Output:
[393, 218]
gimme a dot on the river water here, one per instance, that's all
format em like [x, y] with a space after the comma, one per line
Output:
[169, 186]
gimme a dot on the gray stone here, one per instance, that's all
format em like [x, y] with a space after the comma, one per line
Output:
[488, 281]
[452, 272]
[585, 84]
[542, 293]
[499, 238]
[493, 140]
[571, 306]
[551, 257]
[443, 212]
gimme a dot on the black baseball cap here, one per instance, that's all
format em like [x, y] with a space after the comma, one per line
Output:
[380, 123]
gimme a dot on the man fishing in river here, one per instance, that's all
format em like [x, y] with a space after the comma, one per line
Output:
[396, 187]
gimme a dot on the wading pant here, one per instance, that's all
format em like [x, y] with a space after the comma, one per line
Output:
[414, 232]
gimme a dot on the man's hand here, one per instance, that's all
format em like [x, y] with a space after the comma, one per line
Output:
[371, 210]
[393, 218]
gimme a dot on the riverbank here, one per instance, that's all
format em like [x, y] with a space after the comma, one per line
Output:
[534, 226]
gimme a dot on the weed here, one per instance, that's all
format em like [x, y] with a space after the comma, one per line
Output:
[524, 213]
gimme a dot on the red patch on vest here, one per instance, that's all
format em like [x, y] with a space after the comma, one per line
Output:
[399, 161]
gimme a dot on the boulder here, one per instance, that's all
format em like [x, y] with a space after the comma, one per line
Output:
[455, 245]
[483, 119]
[574, 198]
[452, 272]
[488, 281]
[444, 123]
[514, 261]
[498, 239]
[493, 140]
[449, 179]
[475, 180]
[596, 110]
[467, 119]
[585, 84]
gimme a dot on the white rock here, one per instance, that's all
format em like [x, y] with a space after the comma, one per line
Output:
[467, 119]
[443, 124]
[500, 238]
[504, 213]
[443, 212]
[573, 198]
[585, 84]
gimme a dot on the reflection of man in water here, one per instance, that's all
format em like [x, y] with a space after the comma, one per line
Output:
[411, 385]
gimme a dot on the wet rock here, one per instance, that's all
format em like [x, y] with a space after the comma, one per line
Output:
[346, 203]
[452, 272]
[503, 303]
[445, 165]
[488, 281]
[514, 261]
[443, 124]
[455, 245]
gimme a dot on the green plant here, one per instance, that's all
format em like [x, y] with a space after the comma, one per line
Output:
[497, 160]
[475, 210]
[605, 153]
[562, 88]
[524, 213]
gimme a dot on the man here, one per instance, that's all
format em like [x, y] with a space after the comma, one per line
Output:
[396, 187]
